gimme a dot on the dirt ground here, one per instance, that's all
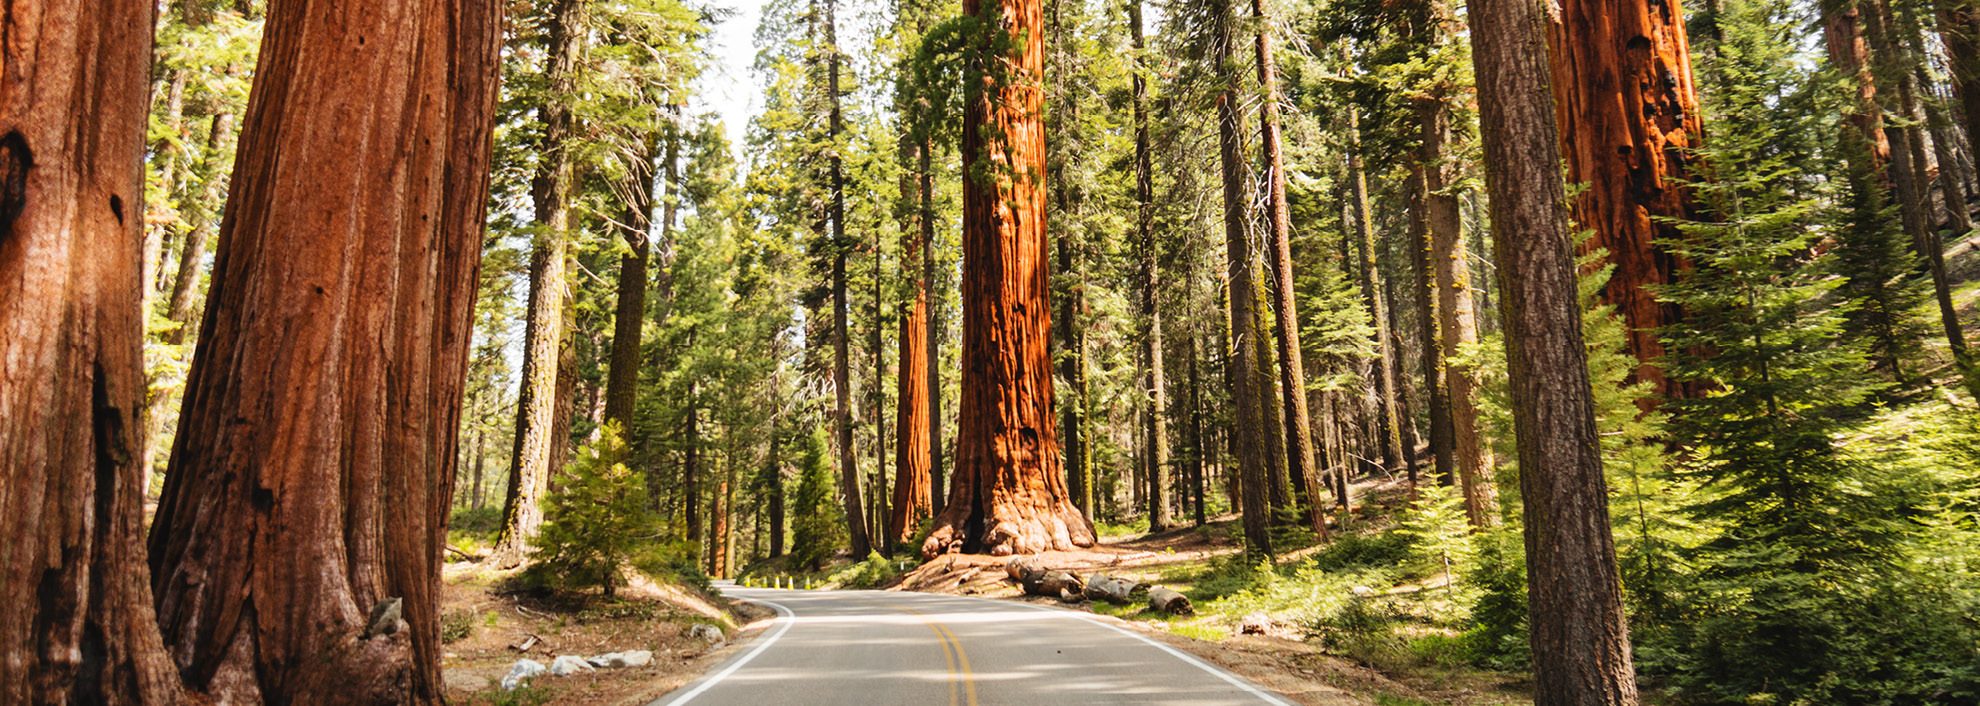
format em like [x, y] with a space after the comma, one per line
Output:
[484, 630]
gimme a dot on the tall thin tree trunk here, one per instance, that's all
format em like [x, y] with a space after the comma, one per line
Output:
[691, 468]
[912, 433]
[1072, 366]
[1629, 119]
[1394, 455]
[776, 488]
[1008, 494]
[1253, 430]
[856, 524]
[1898, 50]
[925, 187]
[1197, 448]
[543, 331]
[1457, 323]
[322, 409]
[1436, 392]
[1580, 641]
[1292, 370]
[629, 312]
[480, 455]
[1155, 394]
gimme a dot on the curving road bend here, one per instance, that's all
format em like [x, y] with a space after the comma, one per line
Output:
[871, 648]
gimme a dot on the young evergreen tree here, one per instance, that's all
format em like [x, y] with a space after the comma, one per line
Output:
[595, 520]
[1802, 527]
[816, 530]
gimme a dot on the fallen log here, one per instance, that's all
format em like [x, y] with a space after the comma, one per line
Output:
[1063, 585]
[1110, 589]
[1169, 601]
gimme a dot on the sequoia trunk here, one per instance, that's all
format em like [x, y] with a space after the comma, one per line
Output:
[1008, 495]
[1628, 118]
[311, 476]
[911, 433]
[72, 121]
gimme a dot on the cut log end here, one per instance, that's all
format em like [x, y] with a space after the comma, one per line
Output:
[1168, 601]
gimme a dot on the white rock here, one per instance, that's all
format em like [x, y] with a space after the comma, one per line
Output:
[620, 660]
[566, 665]
[523, 671]
[705, 632]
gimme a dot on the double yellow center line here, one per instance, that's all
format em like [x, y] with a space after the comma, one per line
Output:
[953, 654]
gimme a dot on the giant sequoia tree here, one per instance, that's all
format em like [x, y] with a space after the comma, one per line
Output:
[1008, 494]
[339, 270]
[311, 475]
[72, 116]
[1628, 116]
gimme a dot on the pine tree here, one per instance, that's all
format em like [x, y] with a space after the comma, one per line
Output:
[816, 530]
[1800, 523]
[595, 520]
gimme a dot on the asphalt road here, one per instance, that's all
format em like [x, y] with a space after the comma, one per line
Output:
[876, 648]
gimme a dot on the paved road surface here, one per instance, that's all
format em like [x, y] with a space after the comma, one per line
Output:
[877, 648]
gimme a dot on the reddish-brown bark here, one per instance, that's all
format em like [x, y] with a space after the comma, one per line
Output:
[1008, 494]
[79, 627]
[1581, 652]
[1628, 117]
[311, 476]
[911, 435]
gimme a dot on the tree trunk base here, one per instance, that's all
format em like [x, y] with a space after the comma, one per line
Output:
[1011, 530]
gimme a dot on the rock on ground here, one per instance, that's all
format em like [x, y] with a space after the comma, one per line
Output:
[620, 660]
[566, 665]
[522, 672]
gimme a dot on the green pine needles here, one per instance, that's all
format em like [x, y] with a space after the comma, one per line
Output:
[596, 521]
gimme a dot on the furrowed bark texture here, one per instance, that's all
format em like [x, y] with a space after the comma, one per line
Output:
[1580, 643]
[1457, 319]
[311, 476]
[543, 331]
[80, 627]
[911, 434]
[1628, 114]
[1292, 372]
[1008, 494]
[629, 311]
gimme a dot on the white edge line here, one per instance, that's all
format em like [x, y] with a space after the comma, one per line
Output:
[784, 615]
[1178, 654]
